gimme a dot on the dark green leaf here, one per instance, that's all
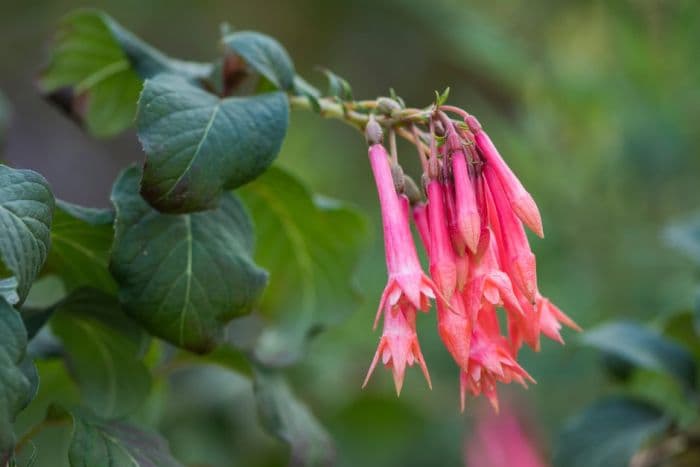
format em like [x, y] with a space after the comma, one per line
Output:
[26, 208]
[288, 419]
[197, 144]
[644, 348]
[608, 433]
[97, 442]
[104, 348]
[35, 319]
[183, 277]
[18, 378]
[682, 327]
[80, 242]
[264, 55]
[96, 71]
[310, 246]
[337, 86]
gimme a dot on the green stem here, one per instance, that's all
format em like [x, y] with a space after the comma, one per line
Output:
[35, 430]
[355, 113]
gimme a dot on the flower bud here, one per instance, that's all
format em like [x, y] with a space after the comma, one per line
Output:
[374, 134]
[387, 106]
[411, 190]
[398, 177]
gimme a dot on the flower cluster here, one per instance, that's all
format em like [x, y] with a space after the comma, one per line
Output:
[472, 229]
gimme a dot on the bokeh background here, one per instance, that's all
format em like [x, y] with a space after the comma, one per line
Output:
[595, 104]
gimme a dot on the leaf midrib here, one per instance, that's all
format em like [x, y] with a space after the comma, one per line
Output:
[205, 135]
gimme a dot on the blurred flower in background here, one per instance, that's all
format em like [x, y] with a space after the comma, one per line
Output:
[503, 439]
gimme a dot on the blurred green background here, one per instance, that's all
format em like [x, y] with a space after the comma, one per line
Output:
[595, 104]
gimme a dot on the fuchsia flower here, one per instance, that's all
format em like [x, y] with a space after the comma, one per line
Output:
[399, 346]
[479, 260]
[501, 441]
[468, 221]
[407, 280]
[455, 329]
[442, 257]
[490, 360]
[522, 202]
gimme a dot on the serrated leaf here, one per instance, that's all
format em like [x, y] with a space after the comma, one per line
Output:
[80, 242]
[103, 348]
[644, 348]
[608, 433]
[97, 442]
[26, 209]
[96, 70]
[288, 419]
[183, 277]
[18, 378]
[264, 55]
[337, 86]
[197, 145]
[310, 245]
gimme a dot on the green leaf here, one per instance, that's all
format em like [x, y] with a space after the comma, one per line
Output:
[96, 70]
[80, 242]
[337, 86]
[303, 88]
[441, 98]
[684, 235]
[198, 145]
[311, 246]
[104, 349]
[644, 348]
[608, 433]
[288, 419]
[8, 288]
[264, 55]
[26, 208]
[183, 277]
[18, 378]
[97, 442]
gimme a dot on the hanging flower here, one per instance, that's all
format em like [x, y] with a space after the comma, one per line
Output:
[479, 258]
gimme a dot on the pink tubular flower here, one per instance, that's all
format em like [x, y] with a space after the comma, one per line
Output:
[455, 329]
[420, 218]
[501, 441]
[515, 251]
[523, 203]
[479, 256]
[406, 278]
[551, 319]
[468, 221]
[490, 360]
[442, 258]
[451, 212]
[487, 283]
[399, 346]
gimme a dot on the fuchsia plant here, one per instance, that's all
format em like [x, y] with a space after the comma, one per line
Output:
[479, 256]
[206, 231]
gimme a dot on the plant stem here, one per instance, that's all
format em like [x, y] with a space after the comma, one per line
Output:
[35, 430]
[350, 113]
